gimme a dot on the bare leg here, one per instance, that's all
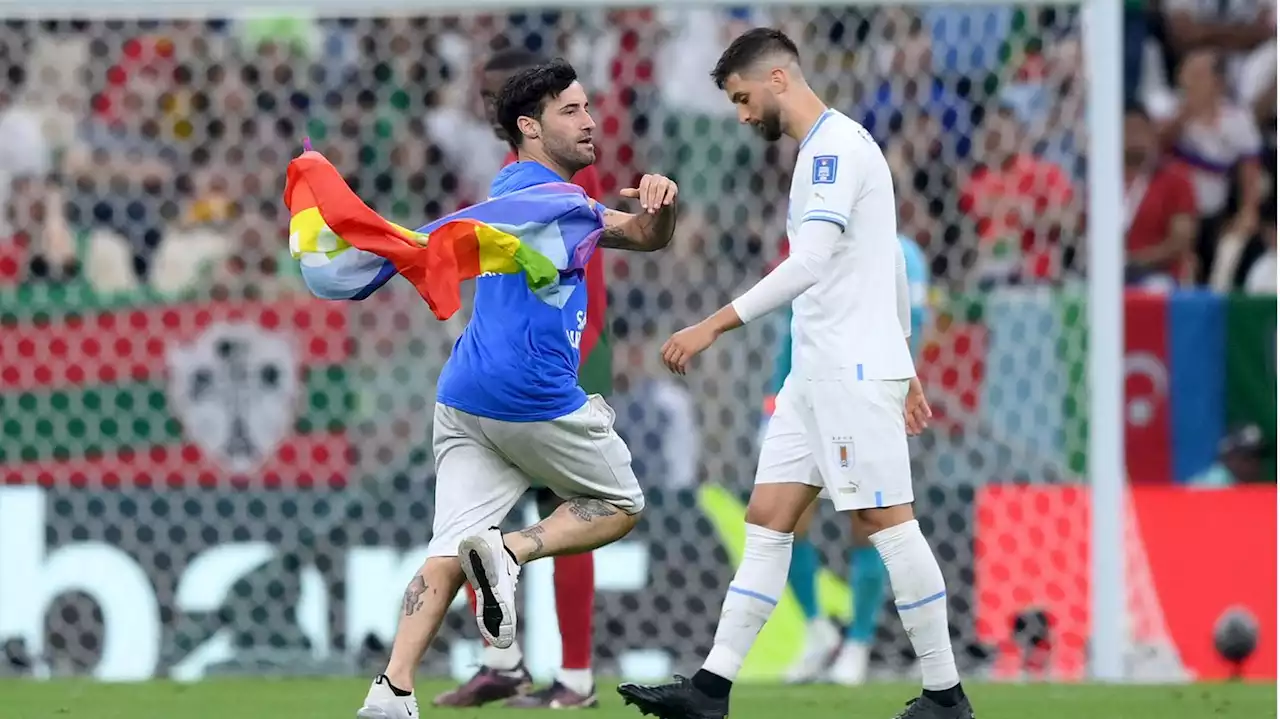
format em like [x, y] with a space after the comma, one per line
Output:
[806, 520]
[866, 522]
[426, 600]
[578, 525]
[781, 506]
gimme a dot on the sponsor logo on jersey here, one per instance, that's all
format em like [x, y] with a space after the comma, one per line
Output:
[575, 335]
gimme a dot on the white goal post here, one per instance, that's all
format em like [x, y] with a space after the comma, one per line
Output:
[1103, 58]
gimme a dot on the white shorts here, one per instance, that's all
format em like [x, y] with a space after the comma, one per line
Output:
[847, 436]
[484, 466]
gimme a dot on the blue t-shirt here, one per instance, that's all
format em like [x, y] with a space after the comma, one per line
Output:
[517, 360]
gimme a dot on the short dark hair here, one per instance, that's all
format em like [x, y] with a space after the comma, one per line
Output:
[750, 47]
[516, 58]
[525, 94]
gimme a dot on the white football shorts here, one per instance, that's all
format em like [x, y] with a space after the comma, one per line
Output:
[848, 437]
[484, 466]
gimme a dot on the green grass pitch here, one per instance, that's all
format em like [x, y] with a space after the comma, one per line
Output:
[339, 698]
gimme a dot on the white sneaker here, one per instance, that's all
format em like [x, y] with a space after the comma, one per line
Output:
[850, 667]
[821, 641]
[493, 573]
[382, 703]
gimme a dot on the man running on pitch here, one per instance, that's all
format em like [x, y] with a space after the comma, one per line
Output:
[502, 674]
[510, 413]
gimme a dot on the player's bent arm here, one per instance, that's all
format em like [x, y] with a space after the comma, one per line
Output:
[800, 271]
[645, 232]
[793, 276]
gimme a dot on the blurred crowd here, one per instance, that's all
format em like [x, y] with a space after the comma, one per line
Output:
[1200, 143]
[142, 153]
[146, 158]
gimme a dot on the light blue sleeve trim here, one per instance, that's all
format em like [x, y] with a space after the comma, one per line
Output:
[834, 218]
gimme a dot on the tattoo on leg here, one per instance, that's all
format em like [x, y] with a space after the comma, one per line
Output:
[413, 595]
[587, 509]
[534, 534]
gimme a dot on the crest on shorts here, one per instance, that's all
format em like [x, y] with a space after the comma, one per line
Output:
[235, 389]
[843, 452]
[824, 170]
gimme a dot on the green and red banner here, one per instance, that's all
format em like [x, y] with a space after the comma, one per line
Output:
[194, 392]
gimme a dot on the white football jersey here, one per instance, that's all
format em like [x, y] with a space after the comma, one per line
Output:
[847, 326]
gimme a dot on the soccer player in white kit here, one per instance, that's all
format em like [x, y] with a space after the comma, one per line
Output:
[842, 417]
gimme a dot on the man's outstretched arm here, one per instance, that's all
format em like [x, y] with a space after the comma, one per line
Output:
[650, 229]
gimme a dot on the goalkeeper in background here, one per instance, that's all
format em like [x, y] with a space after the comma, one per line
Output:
[867, 575]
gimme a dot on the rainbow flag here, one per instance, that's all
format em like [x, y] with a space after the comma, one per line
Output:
[347, 250]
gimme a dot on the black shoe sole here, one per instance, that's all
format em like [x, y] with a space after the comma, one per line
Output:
[491, 611]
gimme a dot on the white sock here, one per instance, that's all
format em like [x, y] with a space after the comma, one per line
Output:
[502, 659]
[754, 592]
[579, 681]
[921, 598]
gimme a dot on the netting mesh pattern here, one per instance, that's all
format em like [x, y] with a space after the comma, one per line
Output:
[194, 449]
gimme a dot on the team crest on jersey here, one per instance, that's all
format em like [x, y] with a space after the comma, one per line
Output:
[824, 170]
[843, 452]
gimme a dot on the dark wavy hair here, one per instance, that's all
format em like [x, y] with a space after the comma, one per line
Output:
[526, 93]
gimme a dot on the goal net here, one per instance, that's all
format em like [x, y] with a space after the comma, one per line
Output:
[203, 469]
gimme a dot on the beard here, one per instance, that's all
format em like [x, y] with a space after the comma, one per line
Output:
[770, 124]
[572, 154]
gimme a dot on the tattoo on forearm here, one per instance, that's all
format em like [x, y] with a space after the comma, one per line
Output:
[615, 239]
[413, 595]
[588, 509]
[641, 233]
[534, 534]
